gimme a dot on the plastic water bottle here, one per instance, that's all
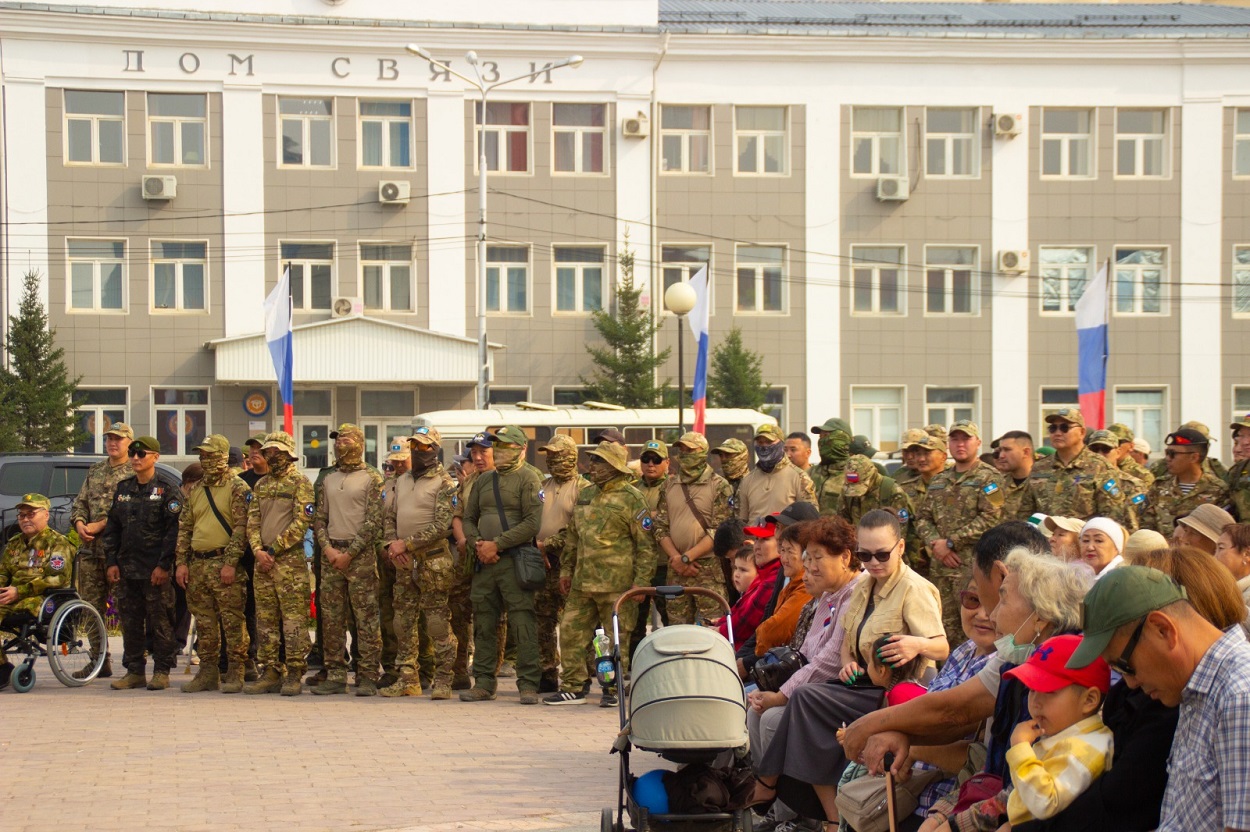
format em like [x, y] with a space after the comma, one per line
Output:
[604, 670]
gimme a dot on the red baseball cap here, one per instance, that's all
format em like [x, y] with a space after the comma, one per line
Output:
[764, 526]
[1046, 671]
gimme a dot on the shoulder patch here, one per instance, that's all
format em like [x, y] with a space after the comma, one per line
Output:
[1139, 499]
[1112, 488]
[990, 488]
[903, 516]
[455, 499]
[542, 495]
[644, 518]
[309, 509]
[174, 506]
[247, 498]
[56, 563]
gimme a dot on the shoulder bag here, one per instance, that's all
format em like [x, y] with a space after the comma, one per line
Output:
[531, 570]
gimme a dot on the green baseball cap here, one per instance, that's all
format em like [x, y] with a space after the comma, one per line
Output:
[511, 435]
[769, 432]
[1120, 597]
[692, 441]
[35, 501]
[257, 439]
[966, 426]
[861, 445]
[831, 425]
[149, 443]
[1104, 438]
[215, 443]
[613, 454]
[657, 448]
[1122, 431]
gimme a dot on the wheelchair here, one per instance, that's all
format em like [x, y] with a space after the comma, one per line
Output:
[68, 631]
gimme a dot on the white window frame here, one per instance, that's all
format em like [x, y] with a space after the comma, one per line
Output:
[1067, 303]
[1134, 424]
[307, 272]
[686, 134]
[556, 389]
[386, 122]
[306, 120]
[874, 267]
[523, 389]
[1065, 145]
[875, 137]
[948, 282]
[948, 143]
[501, 143]
[758, 267]
[761, 137]
[500, 266]
[1240, 280]
[1139, 140]
[1241, 141]
[97, 411]
[778, 410]
[183, 410]
[96, 308]
[94, 119]
[1164, 293]
[1044, 409]
[876, 409]
[1239, 413]
[177, 122]
[950, 408]
[579, 268]
[579, 134]
[387, 267]
[179, 263]
[688, 268]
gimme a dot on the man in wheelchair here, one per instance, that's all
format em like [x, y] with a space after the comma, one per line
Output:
[36, 560]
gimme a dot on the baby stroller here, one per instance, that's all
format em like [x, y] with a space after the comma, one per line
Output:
[685, 703]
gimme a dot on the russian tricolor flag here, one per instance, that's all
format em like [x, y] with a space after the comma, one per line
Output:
[1091, 335]
[699, 319]
[279, 339]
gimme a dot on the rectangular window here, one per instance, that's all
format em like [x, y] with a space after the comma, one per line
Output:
[1140, 278]
[761, 278]
[1141, 139]
[177, 129]
[568, 396]
[506, 135]
[1067, 143]
[1064, 271]
[775, 405]
[381, 403]
[95, 127]
[952, 142]
[1054, 399]
[579, 278]
[180, 415]
[312, 274]
[386, 134]
[1241, 281]
[1241, 403]
[306, 130]
[1241, 143]
[685, 139]
[579, 135]
[951, 280]
[97, 411]
[760, 139]
[314, 402]
[508, 395]
[507, 279]
[680, 262]
[877, 412]
[946, 405]
[877, 280]
[1145, 413]
[97, 280]
[877, 147]
[386, 277]
[179, 276]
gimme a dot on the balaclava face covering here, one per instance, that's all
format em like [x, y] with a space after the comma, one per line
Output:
[691, 465]
[601, 472]
[563, 467]
[279, 462]
[734, 466]
[349, 455]
[423, 459]
[508, 458]
[834, 448]
[767, 456]
[216, 468]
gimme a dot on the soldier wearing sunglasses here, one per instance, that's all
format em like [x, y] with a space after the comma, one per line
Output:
[1186, 485]
[1075, 482]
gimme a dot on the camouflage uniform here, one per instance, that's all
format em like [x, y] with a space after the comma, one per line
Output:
[959, 507]
[651, 492]
[865, 489]
[558, 494]
[608, 549]
[735, 463]
[279, 513]
[1238, 483]
[386, 587]
[94, 500]
[458, 598]
[833, 446]
[1165, 502]
[349, 519]
[43, 562]
[1085, 487]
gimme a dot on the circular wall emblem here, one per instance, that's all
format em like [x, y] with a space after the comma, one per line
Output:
[256, 402]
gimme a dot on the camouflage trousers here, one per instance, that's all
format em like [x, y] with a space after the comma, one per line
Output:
[386, 611]
[462, 622]
[93, 586]
[359, 583]
[30, 605]
[583, 613]
[282, 611]
[682, 610]
[950, 582]
[219, 607]
[548, 607]
[147, 610]
[411, 607]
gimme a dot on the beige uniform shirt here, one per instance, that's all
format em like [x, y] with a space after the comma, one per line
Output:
[558, 499]
[345, 496]
[763, 493]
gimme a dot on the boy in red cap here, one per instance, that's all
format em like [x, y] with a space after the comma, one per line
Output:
[1065, 747]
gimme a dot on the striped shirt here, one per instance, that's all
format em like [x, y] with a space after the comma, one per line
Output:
[823, 645]
[1049, 774]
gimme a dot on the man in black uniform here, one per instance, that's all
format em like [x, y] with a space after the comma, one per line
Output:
[139, 541]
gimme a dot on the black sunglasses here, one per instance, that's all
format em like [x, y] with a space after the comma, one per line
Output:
[651, 459]
[1059, 427]
[1170, 454]
[879, 557]
[138, 452]
[1124, 665]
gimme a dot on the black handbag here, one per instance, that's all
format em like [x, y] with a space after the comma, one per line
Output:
[775, 667]
[531, 569]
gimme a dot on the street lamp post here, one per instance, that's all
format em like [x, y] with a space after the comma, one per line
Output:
[484, 88]
[679, 299]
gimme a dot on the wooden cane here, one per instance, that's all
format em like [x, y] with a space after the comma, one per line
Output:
[889, 793]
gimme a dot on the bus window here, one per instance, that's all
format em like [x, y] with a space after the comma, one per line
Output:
[638, 436]
[578, 435]
[718, 434]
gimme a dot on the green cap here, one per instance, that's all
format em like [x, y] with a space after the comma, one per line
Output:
[1103, 438]
[615, 455]
[215, 443]
[35, 501]
[510, 434]
[1243, 422]
[831, 425]
[281, 440]
[149, 443]
[692, 441]
[769, 432]
[257, 439]
[1122, 431]
[657, 448]
[965, 426]
[861, 445]
[1045, 450]
[729, 446]
[1121, 596]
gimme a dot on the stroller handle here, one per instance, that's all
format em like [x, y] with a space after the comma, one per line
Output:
[668, 593]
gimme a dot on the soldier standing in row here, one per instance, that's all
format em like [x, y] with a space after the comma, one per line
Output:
[395, 466]
[775, 483]
[735, 462]
[212, 534]
[608, 550]
[348, 526]
[1186, 486]
[865, 489]
[828, 475]
[89, 516]
[1014, 453]
[924, 457]
[278, 515]
[1107, 445]
[653, 465]
[479, 457]
[1124, 457]
[1239, 475]
[694, 504]
[558, 495]
[1075, 482]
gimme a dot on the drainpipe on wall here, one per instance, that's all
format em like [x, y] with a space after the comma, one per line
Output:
[657, 297]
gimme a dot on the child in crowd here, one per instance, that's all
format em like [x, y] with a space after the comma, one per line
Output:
[901, 682]
[749, 611]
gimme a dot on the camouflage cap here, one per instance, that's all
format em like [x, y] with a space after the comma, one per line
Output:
[860, 444]
[426, 435]
[966, 426]
[1198, 426]
[730, 447]
[281, 440]
[692, 441]
[559, 444]
[1243, 422]
[398, 452]
[859, 473]
[936, 430]
[928, 442]
[657, 448]
[509, 435]
[770, 432]
[1121, 431]
[215, 443]
[150, 443]
[350, 431]
[831, 425]
[35, 501]
[120, 429]
[257, 439]
[911, 437]
[613, 454]
[1104, 439]
[1072, 415]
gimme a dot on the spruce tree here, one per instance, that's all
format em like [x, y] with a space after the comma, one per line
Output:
[736, 375]
[625, 364]
[36, 392]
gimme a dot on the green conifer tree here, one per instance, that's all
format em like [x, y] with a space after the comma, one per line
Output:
[736, 375]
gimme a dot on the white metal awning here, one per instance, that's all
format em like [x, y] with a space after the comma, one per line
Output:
[353, 350]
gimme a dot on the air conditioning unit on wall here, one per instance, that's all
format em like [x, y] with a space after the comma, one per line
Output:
[1007, 125]
[346, 307]
[395, 192]
[636, 127]
[160, 187]
[1013, 262]
[893, 188]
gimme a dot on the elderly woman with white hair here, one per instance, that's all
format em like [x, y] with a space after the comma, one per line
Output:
[1102, 545]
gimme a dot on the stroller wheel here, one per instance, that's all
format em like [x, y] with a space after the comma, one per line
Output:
[606, 823]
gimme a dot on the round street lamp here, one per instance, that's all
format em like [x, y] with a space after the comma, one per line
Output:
[679, 299]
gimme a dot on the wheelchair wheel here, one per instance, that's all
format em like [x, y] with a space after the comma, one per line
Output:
[24, 677]
[74, 629]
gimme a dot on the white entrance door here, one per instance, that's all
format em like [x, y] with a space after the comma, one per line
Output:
[381, 438]
[314, 443]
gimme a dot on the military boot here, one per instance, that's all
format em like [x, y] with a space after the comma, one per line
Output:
[206, 678]
[233, 683]
[366, 687]
[441, 690]
[159, 680]
[403, 686]
[131, 681]
[477, 695]
[269, 682]
[461, 682]
[106, 669]
[292, 686]
[250, 673]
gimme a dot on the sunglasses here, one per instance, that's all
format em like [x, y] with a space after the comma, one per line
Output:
[651, 459]
[1059, 427]
[1173, 454]
[1123, 665]
[969, 600]
[139, 453]
[29, 515]
[879, 557]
